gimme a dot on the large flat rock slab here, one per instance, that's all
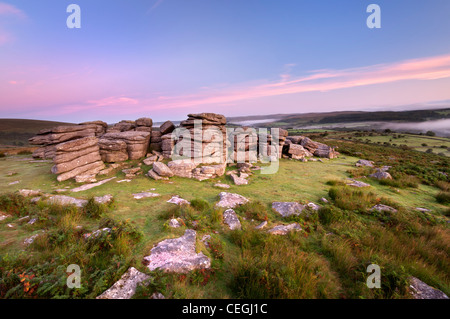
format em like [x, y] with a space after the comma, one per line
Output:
[230, 200]
[177, 255]
[125, 288]
[287, 209]
[421, 290]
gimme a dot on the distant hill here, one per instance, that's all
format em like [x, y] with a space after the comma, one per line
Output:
[16, 132]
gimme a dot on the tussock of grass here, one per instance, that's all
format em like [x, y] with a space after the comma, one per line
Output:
[254, 210]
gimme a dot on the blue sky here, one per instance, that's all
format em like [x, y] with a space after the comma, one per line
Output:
[165, 59]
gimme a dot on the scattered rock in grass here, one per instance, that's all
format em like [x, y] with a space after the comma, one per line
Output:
[23, 219]
[89, 186]
[67, 200]
[355, 183]
[262, 225]
[126, 286]
[362, 163]
[421, 290]
[32, 221]
[287, 209]
[10, 225]
[383, 208]
[85, 178]
[124, 181]
[230, 218]
[97, 233]
[157, 295]
[35, 199]
[313, 206]
[385, 168]
[29, 192]
[220, 185]
[162, 169]
[28, 241]
[324, 200]
[145, 195]
[379, 174]
[284, 229]
[177, 255]
[61, 190]
[174, 223]
[11, 173]
[132, 172]
[239, 180]
[178, 201]
[230, 200]
[14, 183]
[423, 210]
[206, 239]
[105, 199]
[152, 174]
[3, 216]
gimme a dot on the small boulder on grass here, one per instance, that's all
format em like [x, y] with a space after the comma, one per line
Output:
[380, 174]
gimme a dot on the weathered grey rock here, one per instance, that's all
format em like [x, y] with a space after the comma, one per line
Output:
[230, 200]
[220, 185]
[182, 168]
[125, 288]
[177, 255]
[262, 225]
[421, 290]
[287, 209]
[152, 174]
[324, 200]
[362, 162]
[423, 210]
[355, 183]
[60, 168]
[145, 195]
[29, 192]
[178, 201]
[66, 200]
[383, 208]
[97, 233]
[237, 180]
[284, 229]
[174, 223]
[62, 134]
[157, 295]
[86, 178]
[379, 174]
[313, 206]
[150, 160]
[28, 241]
[162, 169]
[105, 199]
[4, 216]
[231, 219]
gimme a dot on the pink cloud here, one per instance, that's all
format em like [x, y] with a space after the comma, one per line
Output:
[114, 101]
[8, 9]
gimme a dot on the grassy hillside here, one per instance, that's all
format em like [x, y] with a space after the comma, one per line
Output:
[16, 132]
[327, 259]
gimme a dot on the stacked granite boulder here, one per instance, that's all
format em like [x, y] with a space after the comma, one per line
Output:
[207, 140]
[48, 138]
[120, 146]
[100, 127]
[186, 168]
[144, 124]
[272, 145]
[79, 159]
[300, 147]
[156, 139]
[122, 126]
[243, 145]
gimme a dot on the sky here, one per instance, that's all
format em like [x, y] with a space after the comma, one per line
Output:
[164, 59]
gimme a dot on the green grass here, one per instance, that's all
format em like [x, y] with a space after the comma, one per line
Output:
[327, 259]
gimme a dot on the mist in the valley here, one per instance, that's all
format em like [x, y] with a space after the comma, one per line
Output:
[440, 127]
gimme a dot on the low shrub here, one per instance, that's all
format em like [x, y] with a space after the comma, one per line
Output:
[443, 197]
